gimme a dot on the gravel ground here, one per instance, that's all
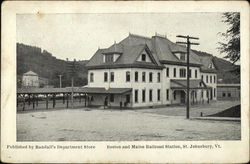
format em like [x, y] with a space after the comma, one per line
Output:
[117, 125]
[195, 111]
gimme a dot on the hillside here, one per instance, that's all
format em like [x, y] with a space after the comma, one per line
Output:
[227, 72]
[47, 66]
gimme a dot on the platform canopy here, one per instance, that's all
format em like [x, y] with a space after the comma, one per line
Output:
[87, 90]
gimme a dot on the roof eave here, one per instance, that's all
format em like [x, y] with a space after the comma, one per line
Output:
[116, 66]
[179, 63]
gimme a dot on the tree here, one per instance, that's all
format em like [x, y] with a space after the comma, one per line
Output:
[232, 36]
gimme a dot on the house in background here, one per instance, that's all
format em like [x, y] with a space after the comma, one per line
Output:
[141, 71]
[30, 79]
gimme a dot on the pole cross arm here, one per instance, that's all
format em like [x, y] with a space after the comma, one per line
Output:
[194, 43]
[181, 42]
[190, 37]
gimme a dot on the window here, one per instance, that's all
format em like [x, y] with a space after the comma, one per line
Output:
[201, 94]
[190, 73]
[174, 95]
[150, 95]
[143, 57]
[167, 72]
[174, 72]
[128, 76]
[143, 76]
[112, 76]
[182, 56]
[105, 76]
[112, 98]
[159, 77]
[109, 58]
[211, 79]
[136, 96]
[202, 77]
[214, 92]
[91, 77]
[195, 73]
[167, 94]
[150, 77]
[207, 94]
[136, 76]
[207, 78]
[214, 79]
[143, 95]
[228, 94]
[210, 65]
[182, 72]
[158, 94]
[223, 94]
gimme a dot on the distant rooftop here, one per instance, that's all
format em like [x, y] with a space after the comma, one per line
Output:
[30, 73]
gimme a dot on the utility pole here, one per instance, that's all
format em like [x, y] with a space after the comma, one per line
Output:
[72, 92]
[72, 68]
[188, 43]
[60, 78]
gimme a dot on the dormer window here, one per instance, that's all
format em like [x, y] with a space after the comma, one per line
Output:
[183, 56]
[180, 55]
[143, 57]
[109, 58]
[210, 66]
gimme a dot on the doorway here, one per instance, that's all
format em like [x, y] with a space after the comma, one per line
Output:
[183, 97]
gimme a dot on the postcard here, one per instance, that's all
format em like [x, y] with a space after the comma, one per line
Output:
[125, 82]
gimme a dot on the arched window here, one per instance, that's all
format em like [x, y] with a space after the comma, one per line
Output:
[150, 77]
[112, 76]
[143, 76]
[159, 77]
[196, 73]
[127, 76]
[92, 77]
[136, 76]
[143, 57]
[105, 76]
[182, 72]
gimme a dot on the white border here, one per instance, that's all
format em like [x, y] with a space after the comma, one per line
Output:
[232, 151]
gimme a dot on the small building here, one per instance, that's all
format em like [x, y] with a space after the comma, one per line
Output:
[228, 91]
[141, 71]
[30, 79]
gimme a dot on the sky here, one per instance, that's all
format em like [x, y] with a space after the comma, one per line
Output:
[78, 36]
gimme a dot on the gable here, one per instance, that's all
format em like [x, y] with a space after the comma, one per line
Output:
[211, 65]
[144, 57]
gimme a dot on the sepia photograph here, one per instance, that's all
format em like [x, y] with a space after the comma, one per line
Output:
[124, 82]
[79, 78]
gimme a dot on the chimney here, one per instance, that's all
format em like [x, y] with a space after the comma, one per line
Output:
[115, 46]
[129, 39]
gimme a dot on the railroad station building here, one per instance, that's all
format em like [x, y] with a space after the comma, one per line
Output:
[146, 71]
